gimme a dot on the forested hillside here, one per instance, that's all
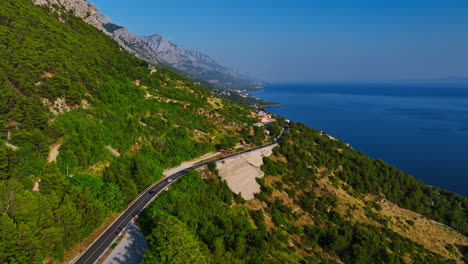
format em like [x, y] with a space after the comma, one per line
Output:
[321, 202]
[85, 126]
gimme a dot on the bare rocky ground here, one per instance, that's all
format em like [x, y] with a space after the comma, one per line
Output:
[240, 172]
[54, 150]
[114, 151]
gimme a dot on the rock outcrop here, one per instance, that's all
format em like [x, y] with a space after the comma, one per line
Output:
[93, 16]
[198, 64]
[181, 58]
[81, 8]
[135, 45]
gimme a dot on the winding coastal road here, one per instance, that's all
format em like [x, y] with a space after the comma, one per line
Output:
[103, 243]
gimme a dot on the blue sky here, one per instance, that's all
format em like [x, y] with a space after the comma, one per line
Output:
[312, 41]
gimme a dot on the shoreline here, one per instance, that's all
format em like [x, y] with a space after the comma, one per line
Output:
[270, 104]
[416, 131]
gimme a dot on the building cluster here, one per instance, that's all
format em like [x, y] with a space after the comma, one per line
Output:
[265, 118]
[242, 93]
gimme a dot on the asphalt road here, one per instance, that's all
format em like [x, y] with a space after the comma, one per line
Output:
[105, 240]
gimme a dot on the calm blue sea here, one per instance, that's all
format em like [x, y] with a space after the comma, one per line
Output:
[420, 129]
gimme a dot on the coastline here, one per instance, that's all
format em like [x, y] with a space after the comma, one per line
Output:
[268, 104]
[271, 105]
[410, 122]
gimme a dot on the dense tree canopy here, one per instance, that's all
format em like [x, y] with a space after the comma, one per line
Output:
[64, 82]
[221, 231]
[367, 175]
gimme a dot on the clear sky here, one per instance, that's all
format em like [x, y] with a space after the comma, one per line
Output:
[312, 41]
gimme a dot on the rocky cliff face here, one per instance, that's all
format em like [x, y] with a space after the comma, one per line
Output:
[135, 45]
[101, 17]
[180, 58]
[199, 64]
[81, 8]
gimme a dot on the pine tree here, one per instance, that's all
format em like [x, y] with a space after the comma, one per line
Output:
[172, 242]
[111, 197]
[8, 238]
[52, 180]
[81, 157]
[3, 161]
[70, 220]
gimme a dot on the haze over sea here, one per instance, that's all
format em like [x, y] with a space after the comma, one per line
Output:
[420, 129]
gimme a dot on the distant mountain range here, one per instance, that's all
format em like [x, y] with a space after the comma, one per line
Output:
[453, 80]
[189, 61]
[159, 51]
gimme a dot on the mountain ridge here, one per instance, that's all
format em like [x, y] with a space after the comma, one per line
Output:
[81, 8]
[176, 56]
[190, 61]
[157, 50]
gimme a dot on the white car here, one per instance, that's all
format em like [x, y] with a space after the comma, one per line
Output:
[169, 180]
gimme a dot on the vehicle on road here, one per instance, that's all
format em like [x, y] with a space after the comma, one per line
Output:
[96, 250]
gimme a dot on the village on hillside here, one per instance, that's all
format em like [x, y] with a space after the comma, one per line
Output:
[264, 118]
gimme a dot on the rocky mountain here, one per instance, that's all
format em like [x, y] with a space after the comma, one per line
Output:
[82, 9]
[101, 17]
[158, 50]
[93, 16]
[180, 58]
[199, 64]
[133, 43]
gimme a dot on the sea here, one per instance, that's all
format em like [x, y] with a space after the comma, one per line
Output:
[420, 129]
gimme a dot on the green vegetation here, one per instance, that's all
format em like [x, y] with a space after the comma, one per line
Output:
[367, 175]
[62, 80]
[248, 101]
[119, 125]
[227, 231]
[172, 242]
[308, 151]
[201, 212]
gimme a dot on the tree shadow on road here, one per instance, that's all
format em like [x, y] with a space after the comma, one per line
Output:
[131, 249]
